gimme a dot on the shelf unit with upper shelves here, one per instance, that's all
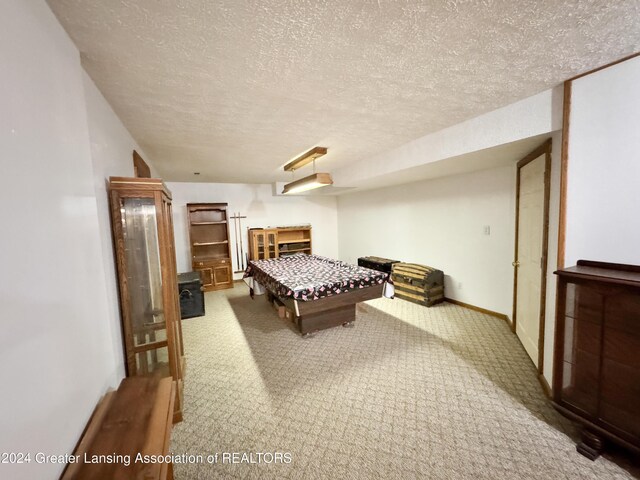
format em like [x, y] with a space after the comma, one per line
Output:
[265, 243]
[209, 239]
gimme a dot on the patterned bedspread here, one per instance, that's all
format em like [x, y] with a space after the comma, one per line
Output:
[311, 277]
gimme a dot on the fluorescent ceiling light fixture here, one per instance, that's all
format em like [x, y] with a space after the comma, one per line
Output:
[305, 158]
[316, 180]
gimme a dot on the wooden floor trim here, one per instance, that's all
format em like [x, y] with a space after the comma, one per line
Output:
[501, 316]
[545, 385]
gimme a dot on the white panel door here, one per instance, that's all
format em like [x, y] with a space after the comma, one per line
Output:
[529, 254]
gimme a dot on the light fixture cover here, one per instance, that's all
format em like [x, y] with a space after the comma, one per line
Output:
[305, 158]
[316, 180]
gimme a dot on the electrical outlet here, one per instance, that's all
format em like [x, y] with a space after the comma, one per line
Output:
[487, 230]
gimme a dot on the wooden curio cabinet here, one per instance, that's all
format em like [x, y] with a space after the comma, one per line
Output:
[263, 243]
[210, 249]
[142, 229]
[596, 378]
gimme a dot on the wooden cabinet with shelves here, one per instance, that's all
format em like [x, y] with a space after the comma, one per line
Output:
[596, 378]
[142, 228]
[210, 249]
[278, 242]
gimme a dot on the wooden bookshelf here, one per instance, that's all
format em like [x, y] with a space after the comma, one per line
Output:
[209, 239]
[277, 242]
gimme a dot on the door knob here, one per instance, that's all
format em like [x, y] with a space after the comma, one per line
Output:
[515, 264]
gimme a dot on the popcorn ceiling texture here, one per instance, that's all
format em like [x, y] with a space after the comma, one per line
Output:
[234, 89]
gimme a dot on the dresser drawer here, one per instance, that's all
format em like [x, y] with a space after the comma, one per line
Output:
[210, 263]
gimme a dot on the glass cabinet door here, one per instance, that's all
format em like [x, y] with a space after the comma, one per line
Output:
[272, 240]
[260, 246]
[582, 346]
[148, 330]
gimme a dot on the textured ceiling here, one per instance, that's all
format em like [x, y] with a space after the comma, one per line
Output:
[234, 89]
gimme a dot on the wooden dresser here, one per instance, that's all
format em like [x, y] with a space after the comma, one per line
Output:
[596, 378]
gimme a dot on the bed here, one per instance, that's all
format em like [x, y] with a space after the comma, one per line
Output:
[315, 292]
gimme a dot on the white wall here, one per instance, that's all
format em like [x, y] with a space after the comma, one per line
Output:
[603, 193]
[111, 154]
[440, 223]
[61, 346]
[56, 346]
[262, 209]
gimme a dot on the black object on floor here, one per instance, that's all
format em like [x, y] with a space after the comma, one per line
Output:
[377, 263]
[191, 295]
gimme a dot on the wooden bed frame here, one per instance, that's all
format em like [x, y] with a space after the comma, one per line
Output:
[327, 312]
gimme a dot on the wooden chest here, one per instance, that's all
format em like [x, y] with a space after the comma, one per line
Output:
[418, 283]
[377, 263]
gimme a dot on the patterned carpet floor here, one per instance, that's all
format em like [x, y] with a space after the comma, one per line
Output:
[409, 392]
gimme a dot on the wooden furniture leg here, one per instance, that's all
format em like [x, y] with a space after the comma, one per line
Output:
[591, 445]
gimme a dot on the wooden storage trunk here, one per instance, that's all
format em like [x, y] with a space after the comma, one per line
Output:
[418, 283]
[377, 263]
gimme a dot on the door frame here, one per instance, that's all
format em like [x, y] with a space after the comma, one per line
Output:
[544, 149]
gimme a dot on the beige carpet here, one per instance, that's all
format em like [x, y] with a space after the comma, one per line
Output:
[409, 392]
